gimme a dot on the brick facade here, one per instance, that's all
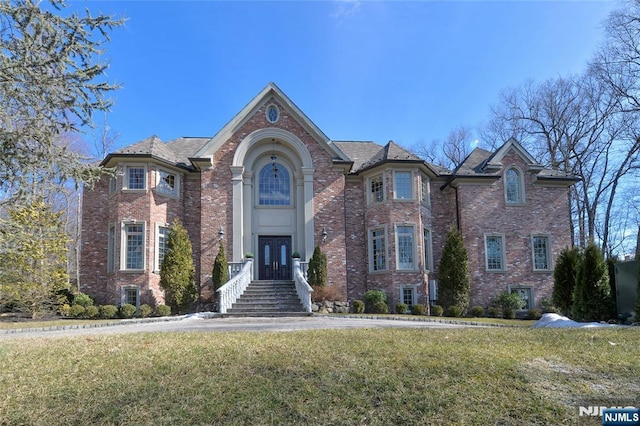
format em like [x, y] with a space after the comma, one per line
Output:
[342, 209]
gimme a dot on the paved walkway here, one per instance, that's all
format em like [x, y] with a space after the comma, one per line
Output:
[199, 323]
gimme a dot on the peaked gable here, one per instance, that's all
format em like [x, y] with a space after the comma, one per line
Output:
[270, 94]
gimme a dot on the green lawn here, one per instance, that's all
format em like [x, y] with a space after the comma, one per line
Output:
[504, 376]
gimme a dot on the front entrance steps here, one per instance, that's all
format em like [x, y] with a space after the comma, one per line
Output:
[268, 299]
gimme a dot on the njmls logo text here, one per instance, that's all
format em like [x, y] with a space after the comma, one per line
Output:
[613, 416]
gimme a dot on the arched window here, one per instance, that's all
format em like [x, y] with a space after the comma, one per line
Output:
[513, 186]
[274, 185]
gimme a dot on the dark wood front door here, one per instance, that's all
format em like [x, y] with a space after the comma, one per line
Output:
[274, 257]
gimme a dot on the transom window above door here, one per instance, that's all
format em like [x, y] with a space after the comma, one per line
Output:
[274, 186]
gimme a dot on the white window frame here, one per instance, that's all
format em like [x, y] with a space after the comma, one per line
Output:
[385, 249]
[520, 182]
[548, 253]
[159, 227]
[370, 194]
[414, 294]
[531, 300]
[111, 248]
[124, 292]
[413, 243]
[427, 249]
[395, 185]
[125, 178]
[503, 253]
[161, 189]
[425, 190]
[124, 248]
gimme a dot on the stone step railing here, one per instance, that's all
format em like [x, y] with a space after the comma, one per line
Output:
[233, 289]
[235, 268]
[303, 288]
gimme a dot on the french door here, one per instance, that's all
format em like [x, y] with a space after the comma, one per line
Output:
[274, 258]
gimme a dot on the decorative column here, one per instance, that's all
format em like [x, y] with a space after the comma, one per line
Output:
[238, 215]
[309, 213]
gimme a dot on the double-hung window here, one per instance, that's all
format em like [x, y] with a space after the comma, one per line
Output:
[541, 253]
[494, 252]
[167, 183]
[402, 186]
[405, 247]
[162, 234]
[376, 190]
[425, 190]
[133, 242]
[378, 250]
[426, 248]
[135, 178]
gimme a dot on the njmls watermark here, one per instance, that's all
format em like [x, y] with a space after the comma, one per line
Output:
[612, 416]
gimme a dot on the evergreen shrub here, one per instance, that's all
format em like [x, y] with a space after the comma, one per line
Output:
[358, 306]
[145, 310]
[77, 311]
[91, 312]
[437, 311]
[380, 308]
[163, 310]
[418, 310]
[454, 311]
[108, 311]
[127, 310]
[401, 308]
[477, 311]
[83, 300]
[372, 297]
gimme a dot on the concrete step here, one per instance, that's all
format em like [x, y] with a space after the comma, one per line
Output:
[268, 298]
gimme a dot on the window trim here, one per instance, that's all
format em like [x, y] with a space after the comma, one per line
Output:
[158, 226]
[427, 249]
[395, 185]
[370, 197]
[503, 252]
[532, 299]
[520, 175]
[414, 294]
[425, 182]
[549, 253]
[176, 183]
[370, 232]
[413, 241]
[123, 246]
[112, 241]
[123, 295]
[125, 178]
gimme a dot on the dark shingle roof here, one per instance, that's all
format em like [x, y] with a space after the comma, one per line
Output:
[358, 152]
[176, 152]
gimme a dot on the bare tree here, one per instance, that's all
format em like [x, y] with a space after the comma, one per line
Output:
[451, 152]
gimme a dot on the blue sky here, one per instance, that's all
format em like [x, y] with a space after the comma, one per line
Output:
[369, 70]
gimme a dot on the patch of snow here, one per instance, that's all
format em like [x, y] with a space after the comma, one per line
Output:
[559, 321]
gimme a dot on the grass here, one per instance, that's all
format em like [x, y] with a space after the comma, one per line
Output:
[503, 376]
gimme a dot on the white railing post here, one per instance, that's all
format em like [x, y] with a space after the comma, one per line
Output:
[303, 288]
[233, 289]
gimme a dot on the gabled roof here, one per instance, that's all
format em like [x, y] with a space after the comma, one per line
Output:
[271, 92]
[483, 164]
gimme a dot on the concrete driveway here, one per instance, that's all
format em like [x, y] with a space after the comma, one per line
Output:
[199, 323]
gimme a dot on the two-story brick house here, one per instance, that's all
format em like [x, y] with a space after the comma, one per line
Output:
[272, 183]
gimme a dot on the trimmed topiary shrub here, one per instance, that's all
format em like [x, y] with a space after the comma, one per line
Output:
[564, 279]
[91, 312]
[534, 314]
[417, 310]
[177, 272]
[453, 311]
[372, 297]
[317, 272]
[77, 311]
[508, 303]
[108, 311]
[477, 311]
[493, 312]
[127, 310]
[83, 300]
[453, 273]
[163, 310]
[145, 310]
[380, 308]
[358, 306]
[437, 311]
[401, 308]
